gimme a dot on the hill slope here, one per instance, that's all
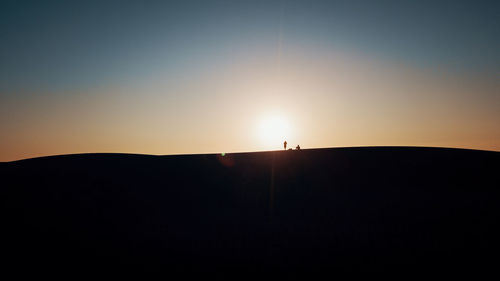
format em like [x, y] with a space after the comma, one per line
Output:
[286, 213]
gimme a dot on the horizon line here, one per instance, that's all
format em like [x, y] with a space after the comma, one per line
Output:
[247, 152]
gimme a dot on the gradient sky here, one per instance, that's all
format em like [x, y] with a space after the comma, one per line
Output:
[162, 77]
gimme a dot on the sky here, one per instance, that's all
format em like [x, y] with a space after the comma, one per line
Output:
[182, 77]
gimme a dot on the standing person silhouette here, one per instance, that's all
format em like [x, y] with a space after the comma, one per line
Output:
[284, 145]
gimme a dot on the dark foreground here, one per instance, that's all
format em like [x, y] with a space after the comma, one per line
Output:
[284, 214]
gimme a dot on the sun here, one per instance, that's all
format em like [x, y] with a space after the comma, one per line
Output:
[273, 131]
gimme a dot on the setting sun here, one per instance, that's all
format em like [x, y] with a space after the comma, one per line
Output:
[273, 131]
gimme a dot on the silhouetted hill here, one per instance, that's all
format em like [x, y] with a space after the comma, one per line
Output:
[285, 213]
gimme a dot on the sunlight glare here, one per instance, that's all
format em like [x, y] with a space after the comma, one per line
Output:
[273, 131]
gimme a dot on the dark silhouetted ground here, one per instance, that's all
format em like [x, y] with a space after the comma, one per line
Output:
[281, 214]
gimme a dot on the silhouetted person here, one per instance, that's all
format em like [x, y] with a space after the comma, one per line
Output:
[298, 147]
[284, 145]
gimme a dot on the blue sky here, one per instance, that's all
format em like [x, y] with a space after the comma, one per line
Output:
[50, 43]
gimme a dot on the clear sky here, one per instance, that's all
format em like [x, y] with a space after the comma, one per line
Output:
[162, 77]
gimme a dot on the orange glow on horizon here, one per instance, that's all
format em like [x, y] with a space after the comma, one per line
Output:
[320, 100]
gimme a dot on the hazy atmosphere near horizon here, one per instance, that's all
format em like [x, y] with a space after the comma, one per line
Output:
[175, 77]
